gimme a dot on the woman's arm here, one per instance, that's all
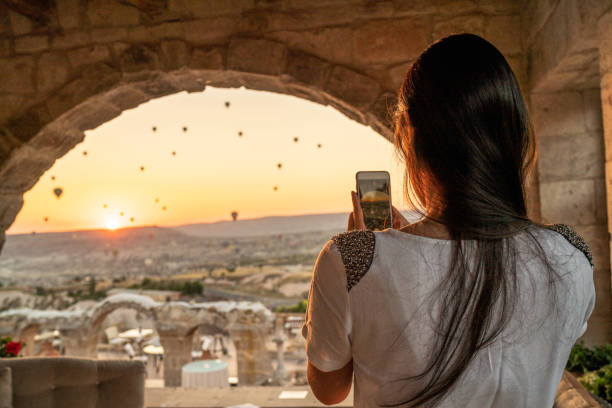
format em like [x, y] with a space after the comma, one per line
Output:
[331, 387]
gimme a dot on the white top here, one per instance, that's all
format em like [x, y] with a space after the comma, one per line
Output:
[385, 324]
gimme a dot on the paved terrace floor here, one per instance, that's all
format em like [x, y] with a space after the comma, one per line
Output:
[225, 397]
[571, 394]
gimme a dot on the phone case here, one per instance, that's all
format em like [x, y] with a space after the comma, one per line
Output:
[376, 217]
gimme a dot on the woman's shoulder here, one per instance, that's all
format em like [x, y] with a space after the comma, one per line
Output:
[569, 237]
[356, 249]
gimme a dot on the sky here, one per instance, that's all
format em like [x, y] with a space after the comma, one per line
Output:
[214, 170]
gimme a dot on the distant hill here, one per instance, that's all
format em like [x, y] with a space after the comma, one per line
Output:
[268, 225]
[58, 258]
[273, 225]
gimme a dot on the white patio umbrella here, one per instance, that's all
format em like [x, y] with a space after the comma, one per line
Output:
[153, 350]
[136, 334]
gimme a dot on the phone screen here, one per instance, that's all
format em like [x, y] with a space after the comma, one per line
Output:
[375, 197]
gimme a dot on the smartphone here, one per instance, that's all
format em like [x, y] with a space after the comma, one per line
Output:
[374, 190]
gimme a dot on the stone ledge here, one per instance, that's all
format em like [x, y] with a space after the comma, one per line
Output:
[571, 394]
[223, 397]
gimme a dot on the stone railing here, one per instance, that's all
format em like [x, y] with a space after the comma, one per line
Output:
[571, 394]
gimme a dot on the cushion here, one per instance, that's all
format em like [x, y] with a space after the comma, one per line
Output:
[68, 382]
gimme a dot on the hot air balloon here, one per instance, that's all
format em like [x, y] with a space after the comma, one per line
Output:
[319, 145]
[157, 200]
[155, 128]
[240, 133]
[84, 152]
[227, 104]
[121, 214]
[295, 139]
[174, 152]
[184, 129]
[45, 219]
[142, 168]
[104, 205]
[275, 188]
[279, 165]
[234, 215]
[58, 192]
[132, 219]
[164, 208]
[53, 178]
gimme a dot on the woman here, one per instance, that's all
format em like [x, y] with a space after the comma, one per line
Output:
[475, 305]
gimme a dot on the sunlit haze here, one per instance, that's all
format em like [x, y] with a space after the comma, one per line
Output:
[129, 175]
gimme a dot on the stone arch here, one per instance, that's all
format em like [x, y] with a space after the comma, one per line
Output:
[177, 322]
[134, 74]
[139, 303]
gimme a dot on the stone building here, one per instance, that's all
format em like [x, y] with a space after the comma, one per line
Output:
[71, 65]
[247, 324]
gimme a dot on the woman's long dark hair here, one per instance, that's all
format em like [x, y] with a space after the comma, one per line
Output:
[463, 130]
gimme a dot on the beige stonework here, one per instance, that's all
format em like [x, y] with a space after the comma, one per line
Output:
[248, 325]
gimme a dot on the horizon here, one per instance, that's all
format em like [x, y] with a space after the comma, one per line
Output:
[128, 227]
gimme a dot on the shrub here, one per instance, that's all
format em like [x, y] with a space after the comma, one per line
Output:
[599, 382]
[299, 307]
[185, 287]
[583, 359]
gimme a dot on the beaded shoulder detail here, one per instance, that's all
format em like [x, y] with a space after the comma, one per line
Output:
[357, 251]
[573, 238]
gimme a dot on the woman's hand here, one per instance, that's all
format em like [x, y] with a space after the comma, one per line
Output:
[355, 220]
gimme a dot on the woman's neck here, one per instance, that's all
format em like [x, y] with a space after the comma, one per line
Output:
[427, 228]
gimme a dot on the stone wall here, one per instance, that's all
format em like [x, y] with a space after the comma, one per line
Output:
[564, 49]
[560, 37]
[572, 183]
[605, 67]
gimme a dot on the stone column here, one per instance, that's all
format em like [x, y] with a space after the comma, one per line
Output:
[177, 346]
[572, 181]
[79, 343]
[605, 70]
[254, 366]
[281, 373]
[27, 336]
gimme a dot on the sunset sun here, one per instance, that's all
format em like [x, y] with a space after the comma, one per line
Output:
[111, 224]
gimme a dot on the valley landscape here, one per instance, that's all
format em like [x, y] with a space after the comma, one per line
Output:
[267, 259]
